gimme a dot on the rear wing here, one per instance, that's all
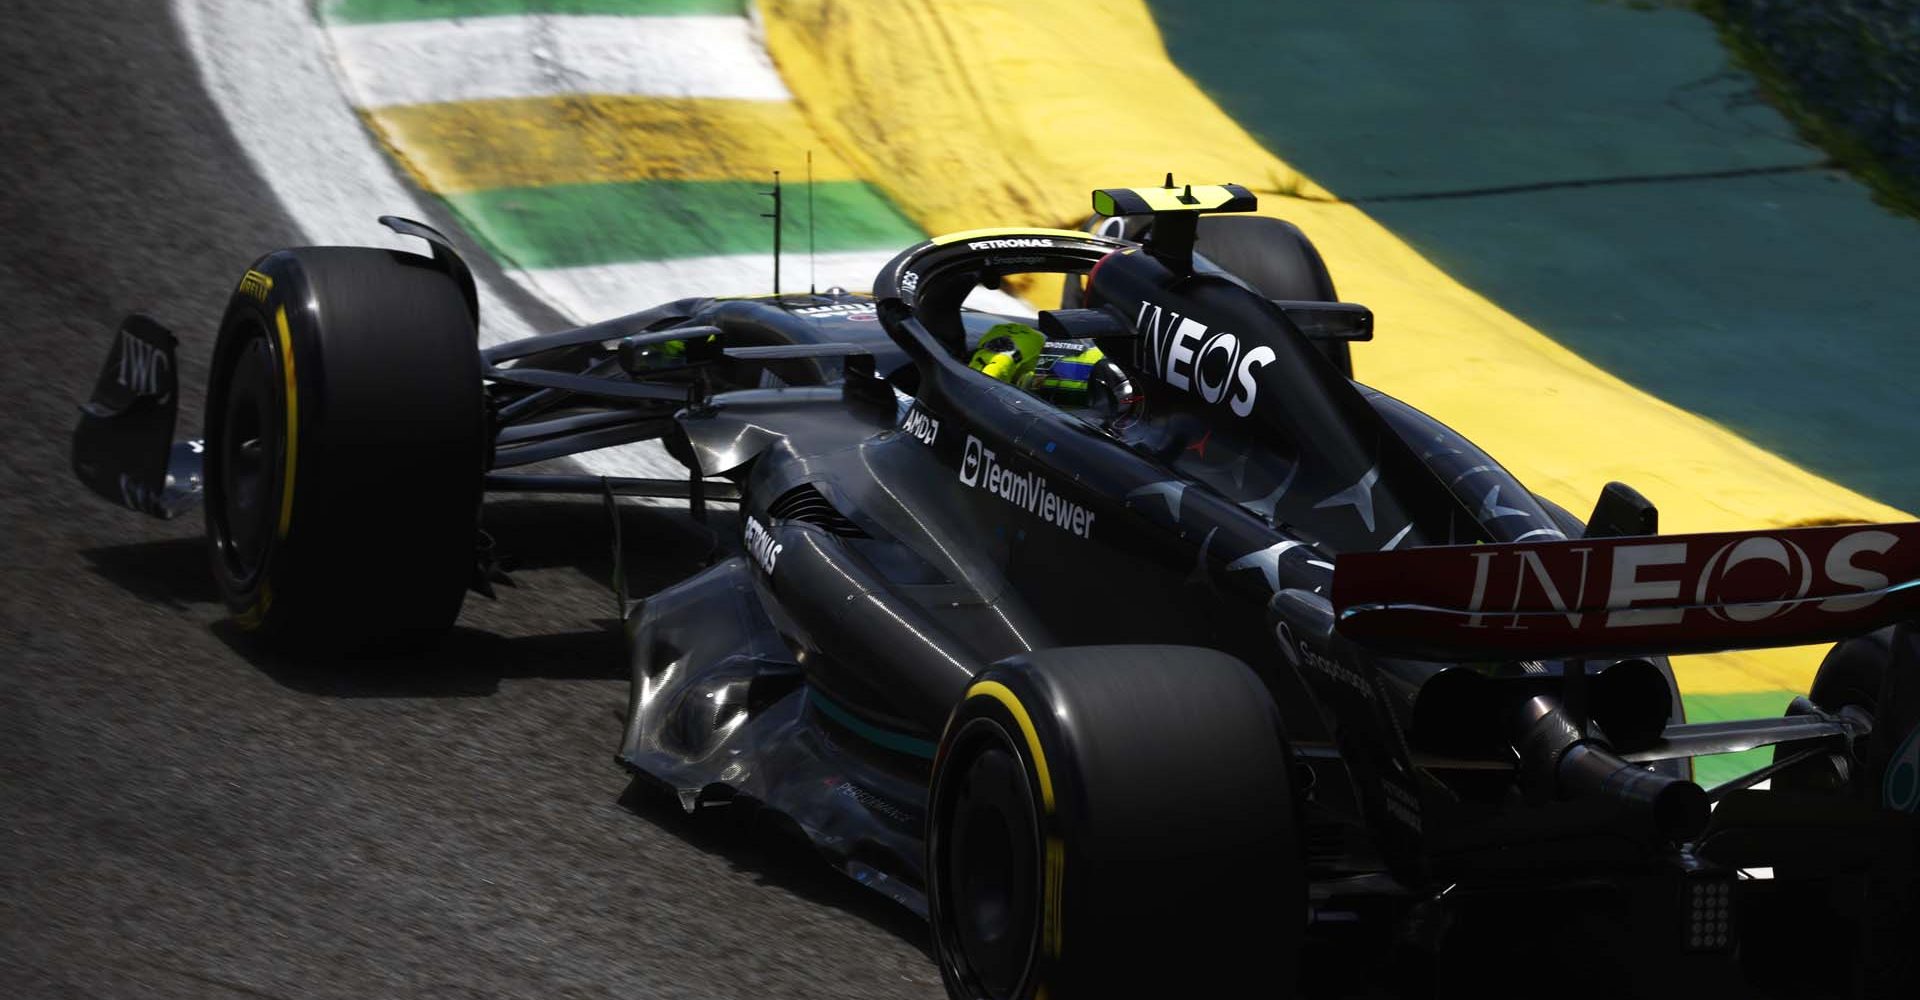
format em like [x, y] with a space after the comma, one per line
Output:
[1598, 597]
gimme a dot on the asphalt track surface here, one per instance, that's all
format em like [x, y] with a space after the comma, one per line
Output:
[184, 816]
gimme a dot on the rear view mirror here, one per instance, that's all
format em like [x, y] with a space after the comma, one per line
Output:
[1345, 321]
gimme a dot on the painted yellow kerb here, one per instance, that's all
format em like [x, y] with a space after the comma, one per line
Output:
[1005, 696]
[595, 138]
[999, 111]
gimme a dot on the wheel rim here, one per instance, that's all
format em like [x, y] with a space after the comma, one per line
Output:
[249, 449]
[990, 863]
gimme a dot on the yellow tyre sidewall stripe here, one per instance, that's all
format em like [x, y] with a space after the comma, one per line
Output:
[1054, 861]
[293, 423]
[463, 146]
[1005, 696]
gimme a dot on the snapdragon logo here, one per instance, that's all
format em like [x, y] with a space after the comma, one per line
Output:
[980, 469]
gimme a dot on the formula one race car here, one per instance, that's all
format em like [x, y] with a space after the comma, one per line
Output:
[1151, 692]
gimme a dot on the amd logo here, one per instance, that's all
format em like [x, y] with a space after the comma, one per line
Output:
[1211, 364]
[923, 426]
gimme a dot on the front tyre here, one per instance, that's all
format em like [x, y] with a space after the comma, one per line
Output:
[345, 439]
[1115, 821]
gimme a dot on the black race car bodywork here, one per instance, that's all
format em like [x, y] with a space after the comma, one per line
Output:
[1469, 678]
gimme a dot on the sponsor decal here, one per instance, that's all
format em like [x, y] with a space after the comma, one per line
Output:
[144, 367]
[1401, 803]
[909, 283]
[256, 285]
[1658, 573]
[980, 468]
[1016, 243]
[970, 462]
[1756, 587]
[1303, 655]
[858, 311]
[924, 426]
[761, 545]
[1901, 789]
[874, 802]
[1212, 364]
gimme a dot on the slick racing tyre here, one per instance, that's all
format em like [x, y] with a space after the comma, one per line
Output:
[1115, 821]
[1275, 259]
[345, 442]
[1857, 926]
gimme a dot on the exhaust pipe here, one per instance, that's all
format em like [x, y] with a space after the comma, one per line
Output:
[1559, 761]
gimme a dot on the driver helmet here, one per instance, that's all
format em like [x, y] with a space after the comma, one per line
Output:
[1067, 373]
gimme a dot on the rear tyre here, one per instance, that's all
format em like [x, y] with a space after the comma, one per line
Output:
[1277, 260]
[1860, 924]
[1115, 821]
[346, 439]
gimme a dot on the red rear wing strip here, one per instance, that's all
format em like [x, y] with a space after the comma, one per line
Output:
[1617, 596]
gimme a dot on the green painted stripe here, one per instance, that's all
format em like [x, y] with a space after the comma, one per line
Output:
[1710, 771]
[568, 225]
[377, 11]
[897, 742]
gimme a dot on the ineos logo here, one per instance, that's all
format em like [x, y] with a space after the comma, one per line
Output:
[970, 462]
[1788, 556]
[1183, 349]
[1639, 585]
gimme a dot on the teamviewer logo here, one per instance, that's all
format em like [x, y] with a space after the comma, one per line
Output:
[970, 462]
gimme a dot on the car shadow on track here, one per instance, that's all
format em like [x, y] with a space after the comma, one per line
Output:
[172, 573]
[765, 845]
[661, 545]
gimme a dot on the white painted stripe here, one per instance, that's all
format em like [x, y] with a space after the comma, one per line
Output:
[544, 55]
[611, 289]
[264, 66]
